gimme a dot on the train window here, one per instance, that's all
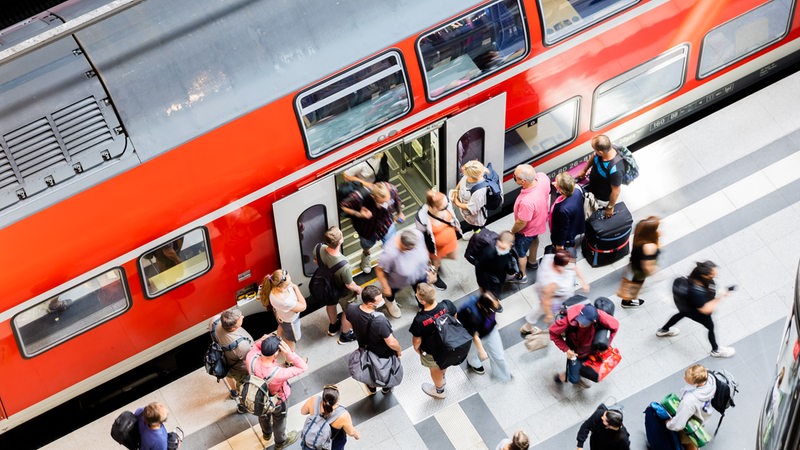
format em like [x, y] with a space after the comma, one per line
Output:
[542, 134]
[175, 263]
[563, 18]
[776, 414]
[472, 47]
[637, 88]
[353, 103]
[743, 36]
[70, 313]
[311, 226]
[470, 146]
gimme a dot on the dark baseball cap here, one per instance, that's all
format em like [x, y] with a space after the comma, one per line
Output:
[587, 316]
[269, 346]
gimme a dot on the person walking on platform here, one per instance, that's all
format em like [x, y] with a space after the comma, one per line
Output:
[227, 329]
[372, 329]
[644, 253]
[336, 417]
[426, 340]
[574, 334]
[404, 262]
[261, 362]
[495, 263]
[530, 216]
[373, 217]
[697, 301]
[471, 204]
[152, 433]
[566, 219]
[287, 303]
[695, 401]
[477, 314]
[605, 170]
[331, 254]
[437, 221]
[607, 430]
[555, 283]
[520, 441]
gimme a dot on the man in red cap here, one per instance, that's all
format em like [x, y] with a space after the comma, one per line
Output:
[574, 333]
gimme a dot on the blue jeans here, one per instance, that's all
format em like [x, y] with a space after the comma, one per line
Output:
[367, 244]
[494, 348]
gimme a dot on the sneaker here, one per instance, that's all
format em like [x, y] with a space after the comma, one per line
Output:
[234, 394]
[371, 390]
[440, 284]
[344, 338]
[366, 264]
[266, 437]
[291, 438]
[241, 409]
[334, 328]
[520, 280]
[479, 370]
[431, 390]
[723, 352]
[386, 391]
[524, 331]
[632, 303]
[532, 266]
[667, 333]
[393, 309]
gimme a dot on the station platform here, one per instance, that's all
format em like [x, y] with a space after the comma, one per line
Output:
[727, 189]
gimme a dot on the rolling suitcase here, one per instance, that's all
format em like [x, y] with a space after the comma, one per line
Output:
[607, 239]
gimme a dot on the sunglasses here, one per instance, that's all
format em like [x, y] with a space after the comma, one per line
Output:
[331, 386]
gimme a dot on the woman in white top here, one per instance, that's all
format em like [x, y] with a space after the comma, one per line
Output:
[471, 204]
[287, 303]
[555, 282]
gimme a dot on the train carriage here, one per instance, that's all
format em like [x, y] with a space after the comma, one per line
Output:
[158, 159]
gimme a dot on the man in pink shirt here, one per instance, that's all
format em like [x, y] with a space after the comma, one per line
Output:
[261, 362]
[530, 216]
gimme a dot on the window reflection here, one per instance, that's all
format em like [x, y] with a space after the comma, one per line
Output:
[542, 134]
[311, 226]
[563, 18]
[71, 312]
[175, 262]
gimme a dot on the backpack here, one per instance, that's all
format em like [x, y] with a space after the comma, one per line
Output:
[382, 174]
[214, 359]
[494, 191]
[680, 293]
[455, 340]
[629, 163]
[316, 432]
[255, 396]
[322, 286]
[723, 396]
[480, 239]
[125, 430]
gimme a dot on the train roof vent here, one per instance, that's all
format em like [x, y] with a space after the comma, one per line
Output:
[82, 127]
[7, 175]
[34, 148]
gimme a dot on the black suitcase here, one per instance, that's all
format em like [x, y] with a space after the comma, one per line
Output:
[607, 239]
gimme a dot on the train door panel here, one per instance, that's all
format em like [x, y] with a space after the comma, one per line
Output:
[478, 133]
[301, 220]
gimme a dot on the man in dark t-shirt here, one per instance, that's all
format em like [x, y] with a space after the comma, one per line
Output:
[425, 336]
[372, 329]
[605, 176]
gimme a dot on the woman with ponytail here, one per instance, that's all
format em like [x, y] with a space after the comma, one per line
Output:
[337, 416]
[284, 298]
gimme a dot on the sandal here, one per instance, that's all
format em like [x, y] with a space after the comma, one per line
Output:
[557, 379]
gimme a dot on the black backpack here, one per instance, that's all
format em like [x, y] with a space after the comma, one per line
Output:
[455, 340]
[125, 430]
[680, 293]
[723, 396]
[480, 239]
[322, 286]
[214, 359]
[494, 191]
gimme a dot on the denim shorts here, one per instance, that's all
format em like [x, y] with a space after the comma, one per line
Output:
[522, 243]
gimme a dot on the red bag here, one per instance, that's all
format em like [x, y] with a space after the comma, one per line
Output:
[600, 364]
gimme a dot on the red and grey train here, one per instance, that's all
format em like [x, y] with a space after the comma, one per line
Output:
[156, 160]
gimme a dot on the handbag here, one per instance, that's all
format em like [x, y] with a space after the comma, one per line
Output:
[370, 369]
[599, 365]
[629, 289]
[537, 339]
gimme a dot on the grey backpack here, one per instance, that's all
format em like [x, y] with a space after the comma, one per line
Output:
[316, 431]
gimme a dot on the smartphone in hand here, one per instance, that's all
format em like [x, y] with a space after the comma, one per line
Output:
[732, 287]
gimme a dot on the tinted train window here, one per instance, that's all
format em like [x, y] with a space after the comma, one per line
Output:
[637, 88]
[470, 146]
[562, 18]
[472, 47]
[311, 226]
[353, 103]
[71, 312]
[175, 263]
[542, 134]
[743, 36]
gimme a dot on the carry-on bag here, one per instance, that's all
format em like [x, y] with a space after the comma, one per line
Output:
[607, 239]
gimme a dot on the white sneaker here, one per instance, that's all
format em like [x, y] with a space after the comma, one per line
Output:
[430, 389]
[366, 264]
[667, 333]
[393, 309]
[724, 352]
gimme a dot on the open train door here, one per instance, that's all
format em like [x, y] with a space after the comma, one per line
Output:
[478, 133]
[300, 222]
